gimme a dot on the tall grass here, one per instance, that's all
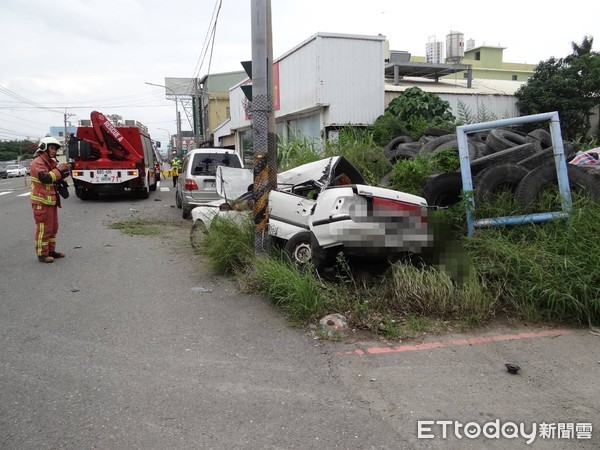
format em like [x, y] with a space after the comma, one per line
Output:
[296, 292]
[229, 246]
[429, 291]
[548, 270]
[358, 147]
[295, 152]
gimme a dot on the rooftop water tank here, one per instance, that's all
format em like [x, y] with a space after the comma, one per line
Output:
[455, 46]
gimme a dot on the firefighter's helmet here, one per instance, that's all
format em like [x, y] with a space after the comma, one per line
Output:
[45, 142]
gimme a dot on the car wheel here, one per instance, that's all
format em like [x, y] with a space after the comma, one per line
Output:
[298, 248]
[197, 235]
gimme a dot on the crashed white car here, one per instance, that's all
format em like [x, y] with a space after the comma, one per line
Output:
[325, 207]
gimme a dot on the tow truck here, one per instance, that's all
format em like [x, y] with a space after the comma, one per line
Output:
[110, 159]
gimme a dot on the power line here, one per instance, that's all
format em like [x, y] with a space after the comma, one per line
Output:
[209, 36]
[19, 97]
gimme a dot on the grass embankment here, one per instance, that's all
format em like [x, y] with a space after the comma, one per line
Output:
[542, 273]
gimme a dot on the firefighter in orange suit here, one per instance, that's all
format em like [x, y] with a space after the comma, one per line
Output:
[45, 172]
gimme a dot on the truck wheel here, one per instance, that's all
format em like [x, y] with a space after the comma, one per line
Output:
[298, 248]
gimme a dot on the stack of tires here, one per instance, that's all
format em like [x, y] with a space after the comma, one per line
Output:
[500, 160]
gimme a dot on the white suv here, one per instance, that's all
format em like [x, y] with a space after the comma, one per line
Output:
[197, 185]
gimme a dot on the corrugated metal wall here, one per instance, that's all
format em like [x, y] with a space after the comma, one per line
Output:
[298, 79]
[490, 106]
[351, 79]
[342, 73]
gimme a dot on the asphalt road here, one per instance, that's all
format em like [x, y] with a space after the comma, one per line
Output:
[132, 342]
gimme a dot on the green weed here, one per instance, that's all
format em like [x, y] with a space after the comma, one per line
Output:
[137, 226]
[229, 247]
[297, 292]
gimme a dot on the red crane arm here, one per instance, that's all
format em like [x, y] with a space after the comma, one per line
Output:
[103, 127]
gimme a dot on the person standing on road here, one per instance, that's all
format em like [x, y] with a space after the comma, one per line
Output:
[45, 172]
[175, 168]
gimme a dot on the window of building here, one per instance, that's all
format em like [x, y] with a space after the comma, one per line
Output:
[514, 78]
[477, 56]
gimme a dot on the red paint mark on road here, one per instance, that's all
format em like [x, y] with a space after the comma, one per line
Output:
[459, 342]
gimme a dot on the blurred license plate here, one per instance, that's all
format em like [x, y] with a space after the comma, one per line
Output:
[105, 175]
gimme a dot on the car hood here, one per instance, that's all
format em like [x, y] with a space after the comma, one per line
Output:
[323, 171]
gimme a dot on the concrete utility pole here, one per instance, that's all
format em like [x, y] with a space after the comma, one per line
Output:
[263, 121]
[197, 112]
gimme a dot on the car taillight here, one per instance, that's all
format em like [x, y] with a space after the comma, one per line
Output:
[384, 207]
[190, 185]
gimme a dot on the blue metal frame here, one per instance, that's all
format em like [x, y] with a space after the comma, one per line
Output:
[559, 160]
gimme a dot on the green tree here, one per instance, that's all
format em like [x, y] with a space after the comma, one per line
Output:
[10, 150]
[410, 114]
[569, 85]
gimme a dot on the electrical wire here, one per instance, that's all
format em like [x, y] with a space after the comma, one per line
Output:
[210, 35]
[20, 98]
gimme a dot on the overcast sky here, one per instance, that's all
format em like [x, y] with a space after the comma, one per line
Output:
[86, 55]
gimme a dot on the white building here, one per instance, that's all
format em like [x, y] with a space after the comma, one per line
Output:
[321, 85]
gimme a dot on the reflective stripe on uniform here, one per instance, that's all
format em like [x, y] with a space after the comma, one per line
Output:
[47, 186]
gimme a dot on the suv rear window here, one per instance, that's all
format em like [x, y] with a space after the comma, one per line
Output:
[207, 163]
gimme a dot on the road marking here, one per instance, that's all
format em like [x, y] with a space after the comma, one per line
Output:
[5, 192]
[164, 189]
[23, 195]
[457, 342]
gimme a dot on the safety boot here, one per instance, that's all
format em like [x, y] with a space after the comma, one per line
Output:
[56, 254]
[45, 259]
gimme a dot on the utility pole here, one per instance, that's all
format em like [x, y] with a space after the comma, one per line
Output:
[65, 132]
[263, 122]
[197, 112]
